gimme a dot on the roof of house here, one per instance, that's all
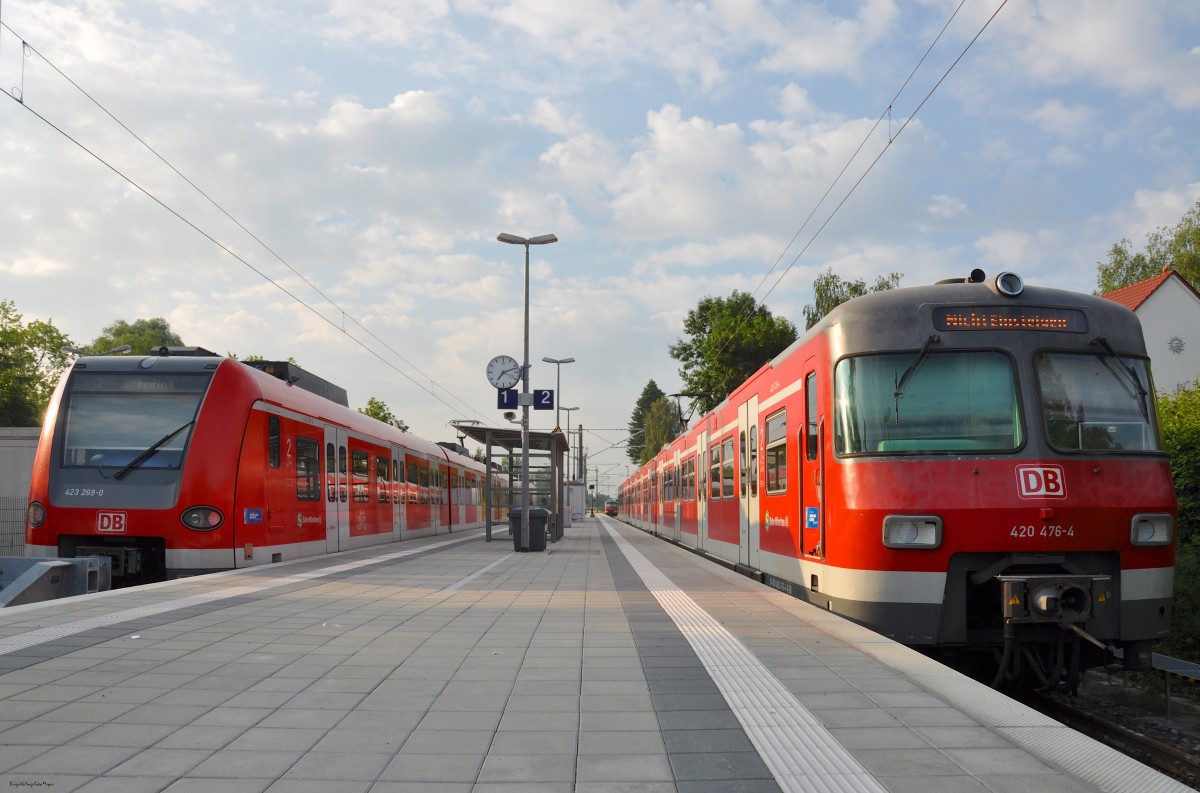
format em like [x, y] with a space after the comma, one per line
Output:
[1134, 295]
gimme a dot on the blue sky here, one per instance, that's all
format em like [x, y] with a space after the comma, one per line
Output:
[675, 148]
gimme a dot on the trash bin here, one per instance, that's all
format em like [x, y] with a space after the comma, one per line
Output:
[537, 527]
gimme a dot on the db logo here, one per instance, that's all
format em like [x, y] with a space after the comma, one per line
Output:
[1041, 481]
[111, 522]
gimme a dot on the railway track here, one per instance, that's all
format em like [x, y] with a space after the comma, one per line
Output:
[1154, 752]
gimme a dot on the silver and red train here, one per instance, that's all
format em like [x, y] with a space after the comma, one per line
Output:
[187, 463]
[971, 465]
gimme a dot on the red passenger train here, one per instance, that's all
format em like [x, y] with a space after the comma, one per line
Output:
[973, 465]
[187, 463]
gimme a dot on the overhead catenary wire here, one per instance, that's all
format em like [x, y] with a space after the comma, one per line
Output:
[20, 99]
[887, 113]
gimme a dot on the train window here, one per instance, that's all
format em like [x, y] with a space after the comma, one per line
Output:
[810, 410]
[776, 452]
[361, 469]
[342, 459]
[715, 468]
[381, 480]
[754, 461]
[308, 469]
[330, 459]
[952, 401]
[742, 458]
[413, 477]
[727, 469]
[273, 440]
[1097, 403]
[112, 418]
[703, 488]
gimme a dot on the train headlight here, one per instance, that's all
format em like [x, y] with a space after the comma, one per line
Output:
[37, 514]
[1151, 529]
[912, 531]
[202, 518]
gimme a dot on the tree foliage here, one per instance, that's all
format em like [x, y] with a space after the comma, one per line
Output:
[637, 421]
[729, 340]
[662, 425]
[31, 359]
[830, 291]
[1179, 415]
[1178, 248]
[378, 409]
[142, 335]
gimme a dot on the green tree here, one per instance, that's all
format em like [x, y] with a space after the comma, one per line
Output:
[31, 359]
[142, 335]
[830, 291]
[637, 421]
[1178, 248]
[729, 340]
[1179, 415]
[662, 425]
[378, 409]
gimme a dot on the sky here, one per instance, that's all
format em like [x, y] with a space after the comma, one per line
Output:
[325, 179]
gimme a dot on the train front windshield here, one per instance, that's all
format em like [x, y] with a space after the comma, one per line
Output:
[120, 421]
[927, 402]
[1097, 403]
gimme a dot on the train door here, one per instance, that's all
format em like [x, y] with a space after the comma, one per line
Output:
[748, 517]
[337, 490]
[442, 479]
[812, 507]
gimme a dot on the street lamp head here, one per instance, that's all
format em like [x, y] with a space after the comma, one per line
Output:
[559, 360]
[513, 239]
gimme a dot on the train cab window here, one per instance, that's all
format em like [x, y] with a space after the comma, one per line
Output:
[715, 468]
[917, 401]
[776, 452]
[728, 488]
[308, 469]
[273, 440]
[1097, 402]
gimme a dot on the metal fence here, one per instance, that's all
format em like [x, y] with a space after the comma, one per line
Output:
[12, 525]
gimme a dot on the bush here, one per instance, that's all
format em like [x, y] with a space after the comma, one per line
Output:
[1180, 417]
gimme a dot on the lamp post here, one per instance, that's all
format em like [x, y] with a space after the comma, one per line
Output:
[525, 398]
[558, 384]
[568, 412]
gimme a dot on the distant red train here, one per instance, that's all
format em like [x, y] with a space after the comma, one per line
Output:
[187, 462]
[974, 465]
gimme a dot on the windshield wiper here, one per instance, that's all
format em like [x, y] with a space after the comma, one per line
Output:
[144, 456]
[1128, 371]
[912, 370]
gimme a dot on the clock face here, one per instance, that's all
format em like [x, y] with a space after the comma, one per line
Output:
[503, 372]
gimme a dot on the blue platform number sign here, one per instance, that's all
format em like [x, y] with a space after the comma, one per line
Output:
[251, 516]
[543, 399]
[506, 399]
[812, 518]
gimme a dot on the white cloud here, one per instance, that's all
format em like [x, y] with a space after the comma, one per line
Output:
[944, 206]
[1055, 117]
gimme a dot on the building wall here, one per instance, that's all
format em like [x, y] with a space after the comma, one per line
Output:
[1170, 320]
[17, 448]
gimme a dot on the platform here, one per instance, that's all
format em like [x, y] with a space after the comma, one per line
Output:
[611, 662]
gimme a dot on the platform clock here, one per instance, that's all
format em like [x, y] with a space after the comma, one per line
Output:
[503, 372]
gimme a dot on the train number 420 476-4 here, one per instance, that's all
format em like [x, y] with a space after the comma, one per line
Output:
[1043, 531]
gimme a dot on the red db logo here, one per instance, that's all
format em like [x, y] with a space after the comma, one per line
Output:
[111, 522]
[1041, 481]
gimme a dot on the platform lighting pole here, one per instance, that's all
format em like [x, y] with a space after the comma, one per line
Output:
[569, 464]
[525, 399]
[558, 384]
